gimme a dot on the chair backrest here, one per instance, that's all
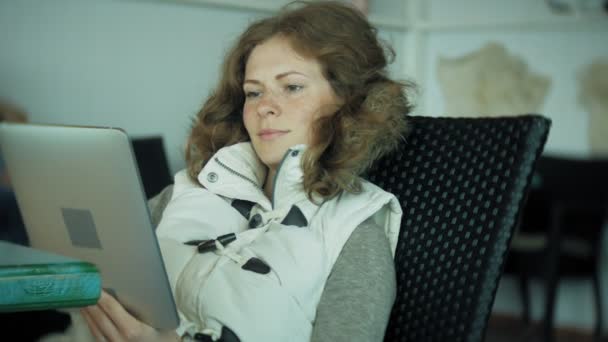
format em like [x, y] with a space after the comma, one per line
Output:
[461, 183]
[152, 164]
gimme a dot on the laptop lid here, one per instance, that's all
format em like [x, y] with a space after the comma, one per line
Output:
[80, 195]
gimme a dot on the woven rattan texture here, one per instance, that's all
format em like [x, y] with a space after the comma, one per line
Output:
[460, 182]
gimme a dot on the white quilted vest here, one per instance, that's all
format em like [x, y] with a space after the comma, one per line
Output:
[293, 241]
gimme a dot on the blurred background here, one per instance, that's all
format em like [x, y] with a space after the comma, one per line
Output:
[147, 65]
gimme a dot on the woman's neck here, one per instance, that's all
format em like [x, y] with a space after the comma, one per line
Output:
[269, 183]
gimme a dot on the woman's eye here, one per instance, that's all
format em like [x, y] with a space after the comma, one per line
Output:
[252, 94]
[293, 88]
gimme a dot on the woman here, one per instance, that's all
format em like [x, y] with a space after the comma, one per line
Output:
[256, 225]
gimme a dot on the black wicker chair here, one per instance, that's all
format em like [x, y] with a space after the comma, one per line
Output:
[152, 163]
[461, 183]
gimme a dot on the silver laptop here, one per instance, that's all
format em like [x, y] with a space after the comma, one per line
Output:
[80, 195]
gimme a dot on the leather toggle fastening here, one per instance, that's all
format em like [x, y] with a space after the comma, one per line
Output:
[204, 246]
[255, 221]
[256, 265]
[295, 217]
[243, 207]
[209, 245]
[227, 336]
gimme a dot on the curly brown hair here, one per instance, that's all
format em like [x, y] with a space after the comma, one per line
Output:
[370, 122]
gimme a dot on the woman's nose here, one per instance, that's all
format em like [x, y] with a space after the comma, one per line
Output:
[268, 106]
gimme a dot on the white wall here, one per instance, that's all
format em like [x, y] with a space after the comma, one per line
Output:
[142, 66]
[555, 50]
[146, 66]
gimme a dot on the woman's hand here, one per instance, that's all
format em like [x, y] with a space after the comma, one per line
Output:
[109, 321]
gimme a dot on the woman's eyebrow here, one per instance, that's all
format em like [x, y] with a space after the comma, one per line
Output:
[277, 77]
[284, 74]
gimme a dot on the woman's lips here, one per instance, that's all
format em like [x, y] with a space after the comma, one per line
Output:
[269, 134]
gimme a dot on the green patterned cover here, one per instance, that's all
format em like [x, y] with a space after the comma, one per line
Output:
[32, 279]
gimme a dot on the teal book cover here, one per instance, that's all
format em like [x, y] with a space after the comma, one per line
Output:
[32, 279]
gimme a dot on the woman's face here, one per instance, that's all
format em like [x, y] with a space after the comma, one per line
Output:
[284, 94]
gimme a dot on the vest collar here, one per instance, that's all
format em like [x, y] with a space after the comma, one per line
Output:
[236, 172]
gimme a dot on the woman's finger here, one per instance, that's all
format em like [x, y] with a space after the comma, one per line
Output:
[129, 326]
[92, 326]
[105, 325]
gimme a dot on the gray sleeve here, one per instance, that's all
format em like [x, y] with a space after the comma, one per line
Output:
[157, 204]
[359, 294]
